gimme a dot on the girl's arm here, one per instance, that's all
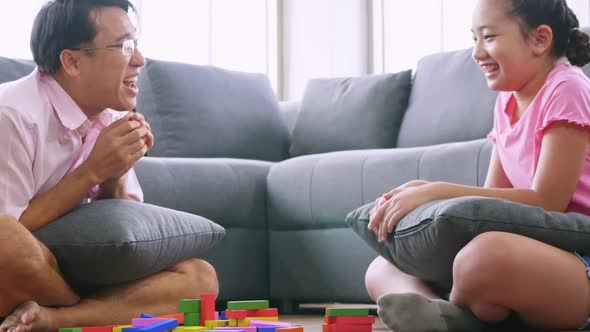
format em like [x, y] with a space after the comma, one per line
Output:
[496, 177]
[561, 162]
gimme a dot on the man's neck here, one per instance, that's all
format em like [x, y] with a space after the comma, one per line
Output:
[70, 87]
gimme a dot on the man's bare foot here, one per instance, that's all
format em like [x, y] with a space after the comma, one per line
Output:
[27, 317]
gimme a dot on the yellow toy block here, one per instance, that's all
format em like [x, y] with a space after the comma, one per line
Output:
[189, 329]
[271, 319]
[120, 328]
[212, 324]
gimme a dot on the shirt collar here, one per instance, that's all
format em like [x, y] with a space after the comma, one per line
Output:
[68, 112]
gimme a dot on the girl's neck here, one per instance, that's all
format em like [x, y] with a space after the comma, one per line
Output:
[527, 93]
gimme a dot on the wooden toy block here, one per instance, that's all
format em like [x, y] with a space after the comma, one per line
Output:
[267, 328]
[192, 319]
[347, 311]
[207, 308]
[161, 326]
[212, 324]
[120, 328]
[350, 320]
[256, 322]
[106, 328]
[241, 314]
[189, 306]
[178, 316]
[237, 314]
[143, 315]
[290, 329]
[268, 312]
[241, 328]
[274, 320]
[189, 329]
[346, 328]
[70, 329]
[240, 305]
[222, 315]
[140, 322]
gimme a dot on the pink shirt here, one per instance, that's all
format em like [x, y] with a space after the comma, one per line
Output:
[565, 96]
[44, 135]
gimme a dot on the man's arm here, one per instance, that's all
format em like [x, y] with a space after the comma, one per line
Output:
[52, 204]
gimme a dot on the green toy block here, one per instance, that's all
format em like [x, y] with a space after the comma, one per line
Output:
[347, 312]
[70, 329]
[247, 305]
[192, 319]
[190, 306]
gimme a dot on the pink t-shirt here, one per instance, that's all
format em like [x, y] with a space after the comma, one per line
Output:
[44, 135]
[565, 96]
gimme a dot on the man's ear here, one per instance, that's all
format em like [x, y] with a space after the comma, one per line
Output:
[541, 39]
[70, 62]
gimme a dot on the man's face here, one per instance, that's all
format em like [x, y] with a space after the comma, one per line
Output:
[108, 76]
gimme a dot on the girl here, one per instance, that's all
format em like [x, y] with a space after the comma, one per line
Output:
[530, 50]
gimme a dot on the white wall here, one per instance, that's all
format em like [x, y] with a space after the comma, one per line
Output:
[412, 29]
[323, 38]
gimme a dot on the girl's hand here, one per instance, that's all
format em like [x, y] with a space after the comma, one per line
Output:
[394, 205]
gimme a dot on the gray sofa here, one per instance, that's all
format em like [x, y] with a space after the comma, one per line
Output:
[222, 152]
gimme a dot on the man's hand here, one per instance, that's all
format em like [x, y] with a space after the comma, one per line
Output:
[114, 187]
[118, 147]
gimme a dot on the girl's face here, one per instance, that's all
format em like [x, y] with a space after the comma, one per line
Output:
[501, 50]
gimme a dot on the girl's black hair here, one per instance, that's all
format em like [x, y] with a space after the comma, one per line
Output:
[568, 40]
[64, 24]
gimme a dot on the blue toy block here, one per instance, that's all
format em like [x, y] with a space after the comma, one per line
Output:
[145, 316]
[222, 315]
[162, 326]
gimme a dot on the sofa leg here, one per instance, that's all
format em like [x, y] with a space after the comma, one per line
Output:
[287, 307]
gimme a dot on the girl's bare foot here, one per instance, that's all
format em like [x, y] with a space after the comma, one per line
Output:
[27, 317]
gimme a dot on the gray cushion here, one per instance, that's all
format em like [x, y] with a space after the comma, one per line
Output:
[450, 102]
[351, 113]
[11, 69]
[426, 241]
[108, 242]
[204, 111]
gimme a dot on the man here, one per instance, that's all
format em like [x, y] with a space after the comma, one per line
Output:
[62, 143]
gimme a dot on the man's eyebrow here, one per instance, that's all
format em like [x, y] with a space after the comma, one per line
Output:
[127, 35]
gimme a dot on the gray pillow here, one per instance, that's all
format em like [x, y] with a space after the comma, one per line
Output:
[108, 242]
[209, 112]
[351, 113]
[426, 241]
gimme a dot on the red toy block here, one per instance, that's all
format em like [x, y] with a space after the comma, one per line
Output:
[350, 320]
[207, 308]
[290, 329]
[107, 328]
[346, 328]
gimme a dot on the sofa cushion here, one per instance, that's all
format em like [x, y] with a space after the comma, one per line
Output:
[351, 113]
[108, 242]
[11, 69]
[449, 102]
[426, 241]
[204, 111]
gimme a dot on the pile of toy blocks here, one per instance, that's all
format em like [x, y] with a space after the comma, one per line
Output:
[199, 315]
[348, 320]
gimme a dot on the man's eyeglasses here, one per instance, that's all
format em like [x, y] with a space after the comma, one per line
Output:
[128, 46]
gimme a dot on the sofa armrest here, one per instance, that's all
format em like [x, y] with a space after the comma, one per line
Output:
[231, 192]
[289, 113]
[324, 188]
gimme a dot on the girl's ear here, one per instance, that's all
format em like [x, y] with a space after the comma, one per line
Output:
[541, 39]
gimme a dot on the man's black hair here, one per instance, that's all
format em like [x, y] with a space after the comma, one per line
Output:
[64, 24]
